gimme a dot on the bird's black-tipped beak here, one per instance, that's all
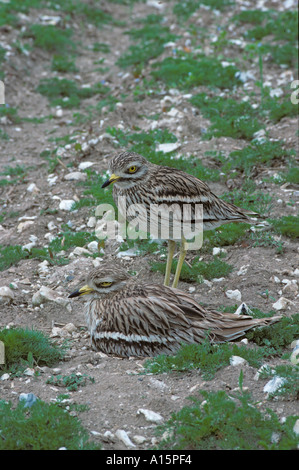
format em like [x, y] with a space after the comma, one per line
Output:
[84, 290]
[74, 294]
[112, 179]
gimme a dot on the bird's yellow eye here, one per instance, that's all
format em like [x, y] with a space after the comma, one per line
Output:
[105, 284]
[132, 169]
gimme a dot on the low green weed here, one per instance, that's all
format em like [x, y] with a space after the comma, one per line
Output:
[206, 357]
[187, 72]
[29, 347]
[288, 225]
[199, 269]
[62, 63]
[266, 239]
[152, 38]
[42, 427]
[72, 382]
[65, 93]
[281, 26]
[254, 155]
[183, 10]
[228, 234]
[51, 38]
[250, 198]
[224, 421]
[279, 336]
[228, 117]
[289, 373]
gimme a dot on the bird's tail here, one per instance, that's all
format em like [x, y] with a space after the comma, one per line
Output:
[228, 327]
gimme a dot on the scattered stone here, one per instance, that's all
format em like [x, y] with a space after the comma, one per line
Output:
[93, 246]
[166, 148]
[79, 251]
[264, 368]
[5, 376]
[24, 225]
[281, 304]
[123, 436]
[242, 270]
[51, 225]
[291, 288]
[30, 372]
[296, 427]
[295, 354]
[217, 251]
[234, 295]
[150, 416]
[75, 176]
[275, 279]
[66, 330]
[84, 165]
[108, 436]
[45, 294]
[131, 252]
[237, 361]
[274, 384]
[159, 384]
[32, 188]
[66, 204]
[6, 294]
[43, 268]
[28, 398]
[139, 439]
[92, 221]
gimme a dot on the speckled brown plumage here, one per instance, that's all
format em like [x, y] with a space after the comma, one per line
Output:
[155, 184]
[126, 317]
[137, 181]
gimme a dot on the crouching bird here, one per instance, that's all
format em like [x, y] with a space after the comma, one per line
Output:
[127, 317]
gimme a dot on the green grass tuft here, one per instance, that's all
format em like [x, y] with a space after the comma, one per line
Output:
[187, 72]
[227, 422]
[229, 118]
[206, 357]
[42, 427]
[199, 270]
[29, 347]
[72, 382]
[51, 38]
[65, 93]
[287, 225]
[279, 336]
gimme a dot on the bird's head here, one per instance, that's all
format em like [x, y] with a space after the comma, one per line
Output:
[102, 281]
[127, 169]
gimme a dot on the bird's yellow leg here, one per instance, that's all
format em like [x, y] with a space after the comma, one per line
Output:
[171, 248]
[183, 251]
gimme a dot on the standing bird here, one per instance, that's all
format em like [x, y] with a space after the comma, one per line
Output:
[140, 182]
[126, 317]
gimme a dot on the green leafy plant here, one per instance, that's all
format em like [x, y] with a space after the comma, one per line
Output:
[25, 347]
[42, 427]
[229, 117]
[65, 93]
[198, 271]
[288, 225]
[51, 38]
[187, 72]
[227, 422]
[72, 382]
[206, 357]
